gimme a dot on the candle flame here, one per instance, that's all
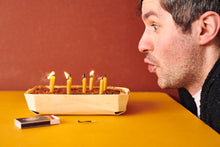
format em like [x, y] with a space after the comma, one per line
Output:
[51, 74]
[91, 73]
[67, 75]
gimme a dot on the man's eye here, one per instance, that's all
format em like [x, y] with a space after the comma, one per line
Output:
[155, 27]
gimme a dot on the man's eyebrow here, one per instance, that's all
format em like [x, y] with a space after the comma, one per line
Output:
[148, 14]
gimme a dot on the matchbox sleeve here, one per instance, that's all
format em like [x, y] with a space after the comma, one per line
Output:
[37, 121]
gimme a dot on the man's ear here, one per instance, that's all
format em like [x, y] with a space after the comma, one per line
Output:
[210, 26]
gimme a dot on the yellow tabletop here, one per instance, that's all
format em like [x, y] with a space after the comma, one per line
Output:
[151, 119]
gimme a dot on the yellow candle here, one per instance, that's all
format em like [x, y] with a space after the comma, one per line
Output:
[68, 83]
[91, 83]
[105, 83]
[101, 86]
[91, 80]
[52, 81]
[84, 84]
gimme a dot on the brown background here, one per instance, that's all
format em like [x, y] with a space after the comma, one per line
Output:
[38, 36]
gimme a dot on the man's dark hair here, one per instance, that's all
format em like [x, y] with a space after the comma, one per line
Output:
[184, 12]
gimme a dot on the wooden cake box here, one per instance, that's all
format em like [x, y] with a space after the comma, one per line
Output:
[78, 104]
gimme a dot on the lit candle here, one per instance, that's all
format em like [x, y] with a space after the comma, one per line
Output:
[68, 83]
[91, 80]
[84, 84]
[105, 83]
[52, 81]
[101, 86]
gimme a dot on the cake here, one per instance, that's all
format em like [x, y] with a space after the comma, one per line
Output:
[74, 90]
[113, 101]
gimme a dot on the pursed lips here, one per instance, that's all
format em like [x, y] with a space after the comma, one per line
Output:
[151, 66]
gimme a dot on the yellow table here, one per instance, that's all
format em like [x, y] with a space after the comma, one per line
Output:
[152, 119]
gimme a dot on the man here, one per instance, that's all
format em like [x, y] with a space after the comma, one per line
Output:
[181, 41]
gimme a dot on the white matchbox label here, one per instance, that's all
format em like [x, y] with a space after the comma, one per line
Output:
[54, 120]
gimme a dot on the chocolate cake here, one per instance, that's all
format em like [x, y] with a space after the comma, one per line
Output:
[74, 90]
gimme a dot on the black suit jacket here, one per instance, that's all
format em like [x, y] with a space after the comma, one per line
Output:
[210, 99]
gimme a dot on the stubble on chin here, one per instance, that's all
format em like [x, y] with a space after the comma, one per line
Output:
[184, 71]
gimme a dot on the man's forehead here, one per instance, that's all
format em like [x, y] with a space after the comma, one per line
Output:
[147, 14]
[150, 7]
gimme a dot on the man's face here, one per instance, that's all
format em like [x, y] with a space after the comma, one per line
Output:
[170, 53]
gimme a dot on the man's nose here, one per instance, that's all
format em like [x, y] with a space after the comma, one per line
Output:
[145, 44]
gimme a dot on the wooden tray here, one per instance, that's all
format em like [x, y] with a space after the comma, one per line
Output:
[79, 104]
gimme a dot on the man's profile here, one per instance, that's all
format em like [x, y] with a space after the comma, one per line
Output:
[181, 41]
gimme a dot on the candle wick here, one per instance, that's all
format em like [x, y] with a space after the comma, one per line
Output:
[69, 76]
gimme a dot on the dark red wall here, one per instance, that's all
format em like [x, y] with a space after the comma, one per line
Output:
[38, 36]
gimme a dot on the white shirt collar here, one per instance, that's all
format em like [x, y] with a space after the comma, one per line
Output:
[197, 98]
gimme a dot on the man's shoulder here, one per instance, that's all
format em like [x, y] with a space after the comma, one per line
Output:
[211, 89]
